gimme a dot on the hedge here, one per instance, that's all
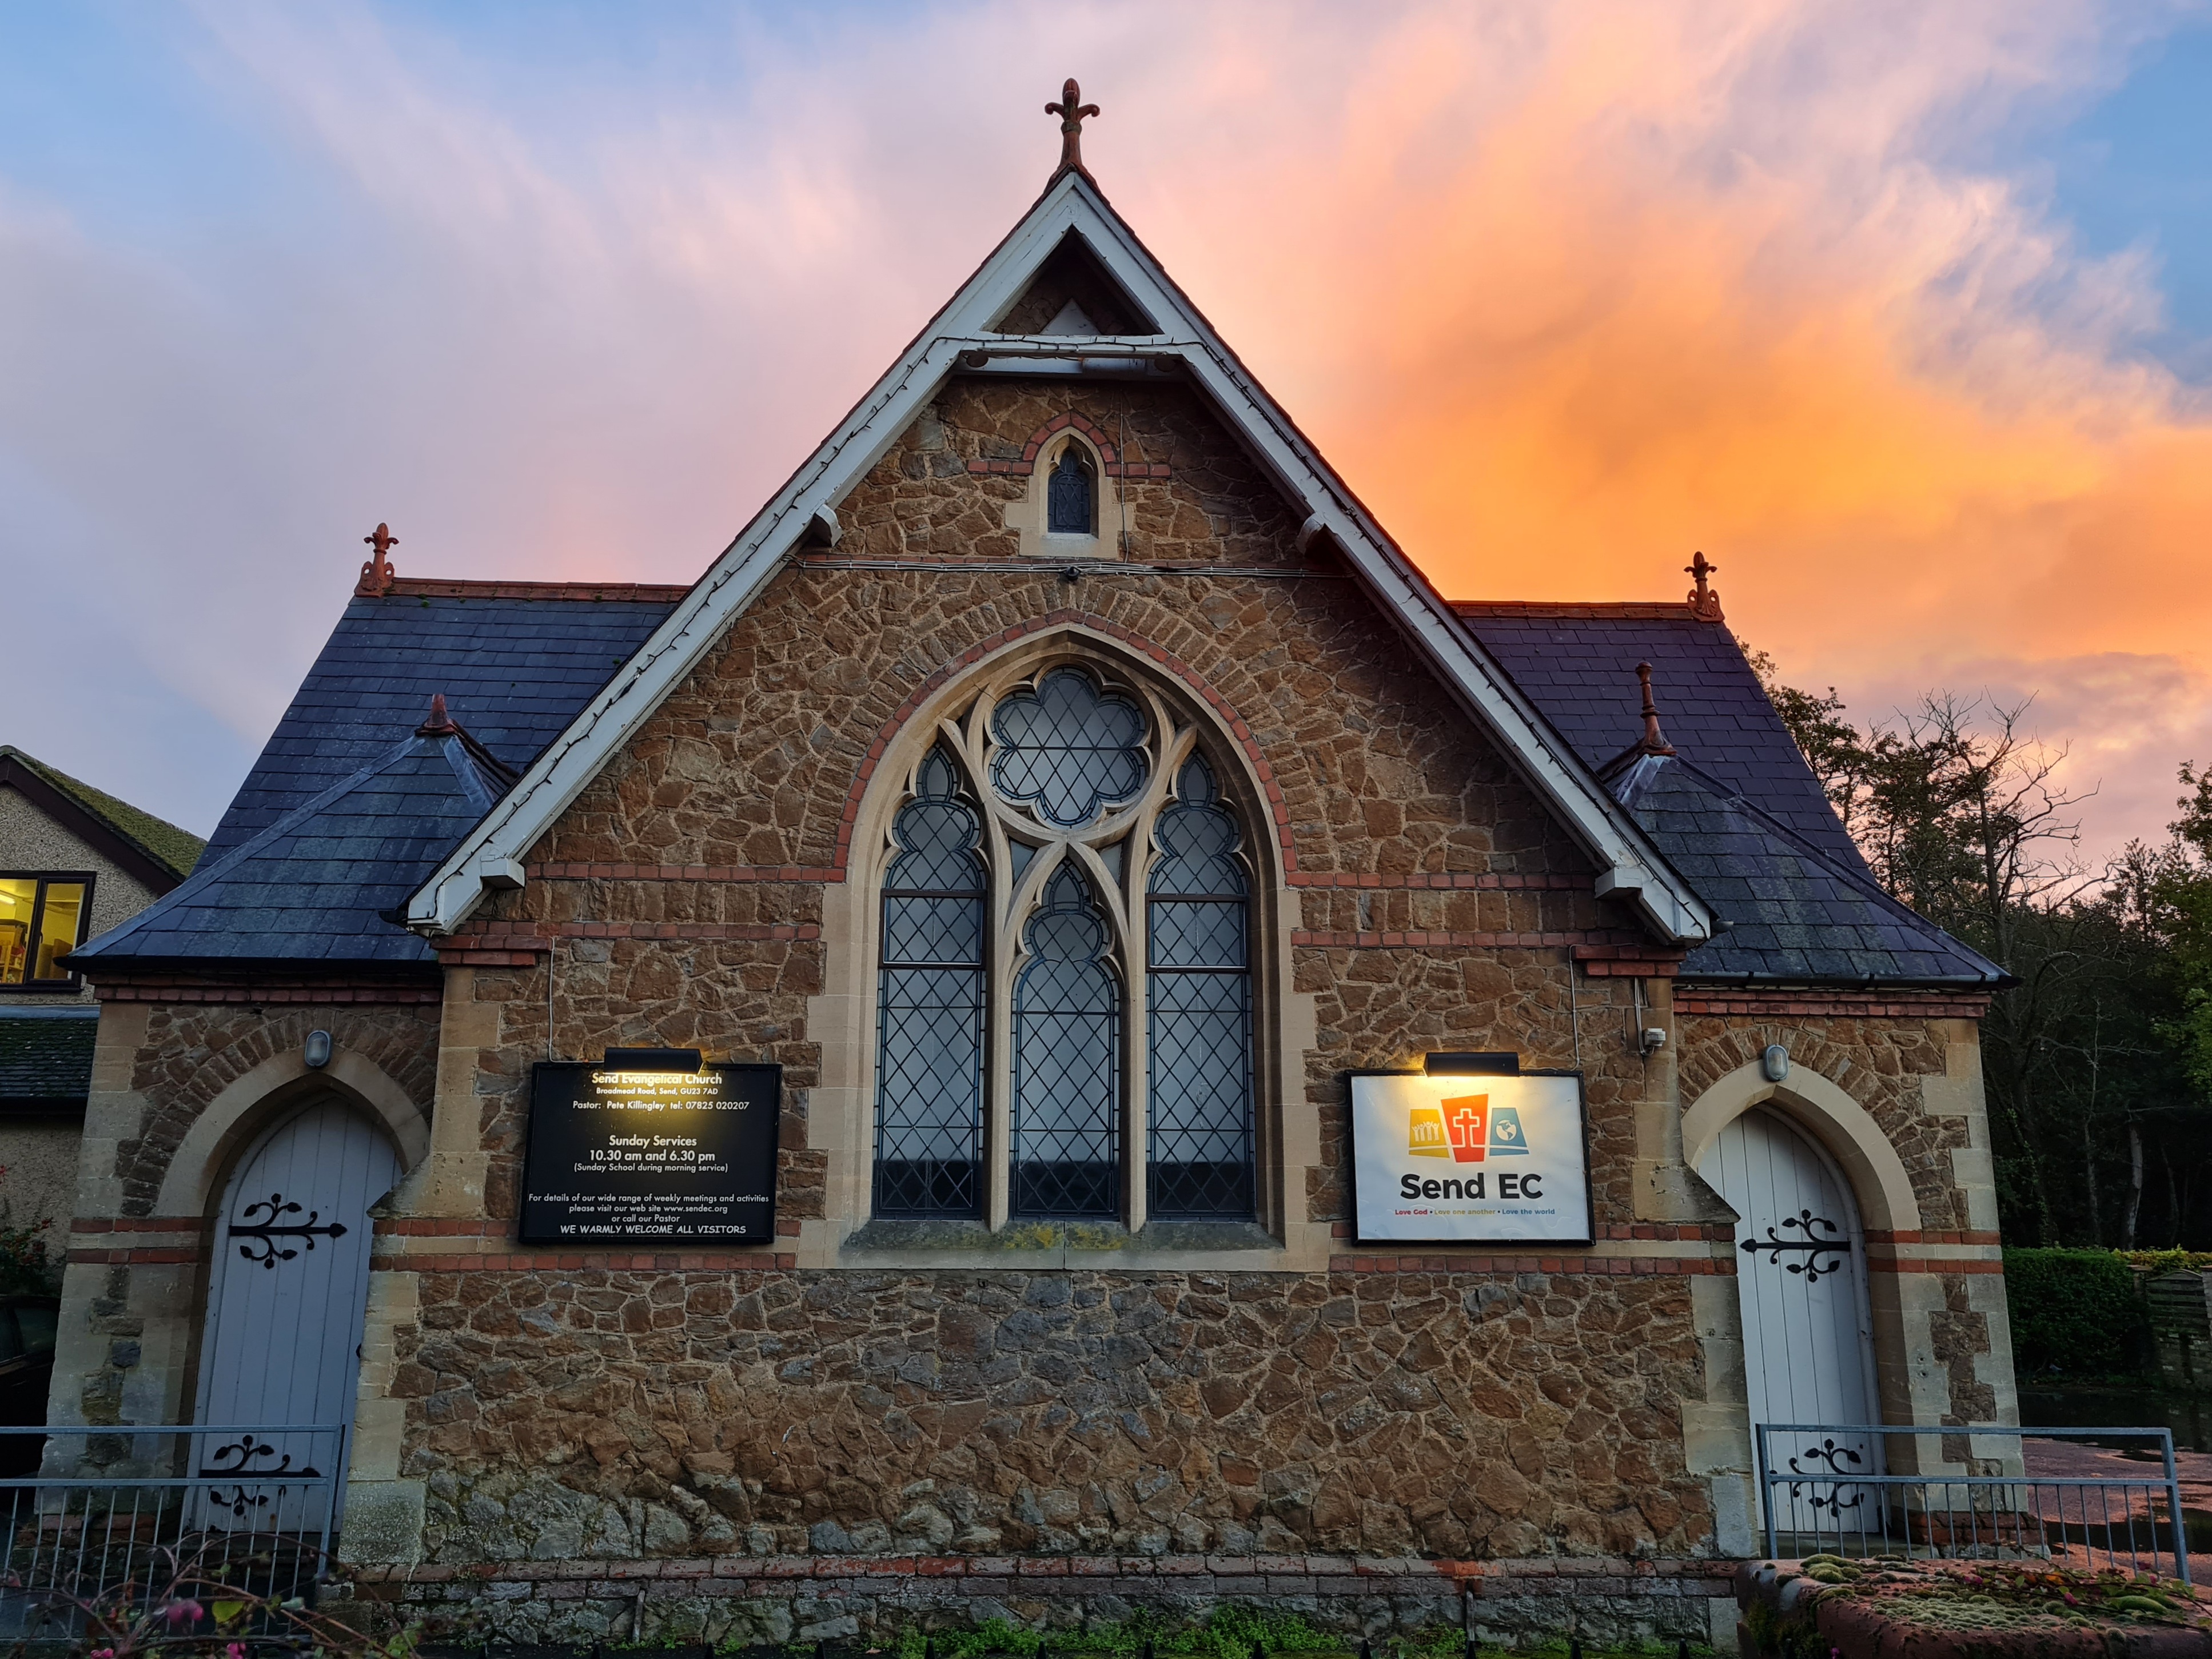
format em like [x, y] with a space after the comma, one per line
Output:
[2080, 1312]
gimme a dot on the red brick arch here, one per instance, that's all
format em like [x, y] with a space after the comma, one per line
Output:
[1109, 454]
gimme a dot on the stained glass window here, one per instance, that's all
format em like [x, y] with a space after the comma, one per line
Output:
[1068, 1039]
[1199, 1007]
[1068, 748]
[1071, 503]
[929, 1064]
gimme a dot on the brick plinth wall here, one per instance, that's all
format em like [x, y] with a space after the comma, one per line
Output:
[738, 1599]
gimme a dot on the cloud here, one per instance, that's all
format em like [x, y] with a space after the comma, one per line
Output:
[1567, 292]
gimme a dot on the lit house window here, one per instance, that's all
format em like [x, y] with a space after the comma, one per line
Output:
[1064, 967]
[42, 918]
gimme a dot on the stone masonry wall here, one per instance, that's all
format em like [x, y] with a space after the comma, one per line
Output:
[608, 1414]
[1880, 1062]
[193, 1050]
[752, 761]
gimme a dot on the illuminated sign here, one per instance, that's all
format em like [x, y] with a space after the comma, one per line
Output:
[651, 1157]
[1479, 1158]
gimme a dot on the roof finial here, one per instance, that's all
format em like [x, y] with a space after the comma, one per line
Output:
[1654, 741]
[1705, 602]
[376, 576]
[1071, 109]
[440, 723]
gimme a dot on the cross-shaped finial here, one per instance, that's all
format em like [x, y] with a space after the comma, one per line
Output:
[377, 574]
[1705, 602]
[1071, 109]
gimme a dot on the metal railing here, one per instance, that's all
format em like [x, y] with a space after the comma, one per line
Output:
[1823, 1488]
[130, 1516]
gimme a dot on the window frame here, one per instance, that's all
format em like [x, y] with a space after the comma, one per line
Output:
[1116, 852]
[45, 879]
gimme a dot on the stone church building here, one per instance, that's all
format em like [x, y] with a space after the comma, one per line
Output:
[1072, 791]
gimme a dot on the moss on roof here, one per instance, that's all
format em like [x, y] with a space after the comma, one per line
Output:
[159, 840]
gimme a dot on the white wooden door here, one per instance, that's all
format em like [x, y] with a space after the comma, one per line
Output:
[285, 1306]
[1808, 1348]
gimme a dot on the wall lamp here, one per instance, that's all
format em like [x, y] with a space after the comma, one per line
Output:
[1472, 1065]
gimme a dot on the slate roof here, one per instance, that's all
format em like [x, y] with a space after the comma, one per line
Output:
[1577, 663]
[1795, 914]
[45, 1055]
[348, 808]
[315, 886]
[172, 849]
[514, 670]
[1735, 809]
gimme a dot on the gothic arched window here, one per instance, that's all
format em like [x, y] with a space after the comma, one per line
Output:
[1067, 1074]
[1071, 497]
[1200, 984]
[1066, 882]
[930, 1005]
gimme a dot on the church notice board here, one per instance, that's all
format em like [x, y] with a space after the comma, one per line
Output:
[651, 1157]
[1482, 1159]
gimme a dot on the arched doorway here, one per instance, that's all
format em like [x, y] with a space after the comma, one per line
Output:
[1802, 1284]
[289, 1291]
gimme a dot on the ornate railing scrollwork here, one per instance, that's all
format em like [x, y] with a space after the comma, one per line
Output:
[1833, 1456]
[243, 1458]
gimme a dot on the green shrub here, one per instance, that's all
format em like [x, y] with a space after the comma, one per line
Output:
[2078, 1312]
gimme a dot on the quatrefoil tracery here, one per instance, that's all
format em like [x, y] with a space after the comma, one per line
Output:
[1023, 788]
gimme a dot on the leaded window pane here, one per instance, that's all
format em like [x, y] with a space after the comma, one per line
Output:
[1068, 748]
[1071, 503]
[1067, 1018]
[929, 1058]
[1198, 1008]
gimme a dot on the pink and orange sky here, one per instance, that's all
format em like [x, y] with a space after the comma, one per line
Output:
[1882, 307]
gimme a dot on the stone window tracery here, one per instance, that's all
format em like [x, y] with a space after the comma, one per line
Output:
[1065, 1017]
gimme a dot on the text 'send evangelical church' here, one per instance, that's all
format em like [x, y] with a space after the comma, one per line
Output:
[1058, 1032]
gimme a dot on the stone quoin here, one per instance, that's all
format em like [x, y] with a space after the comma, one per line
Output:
[1069, 854]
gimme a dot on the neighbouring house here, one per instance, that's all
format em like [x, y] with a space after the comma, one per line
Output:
[73, 861]
[1059, 1030]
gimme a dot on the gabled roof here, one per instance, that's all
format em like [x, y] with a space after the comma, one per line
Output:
[1578, 662]
[514, 660]
[347, 809]
[1793, 912]
[316, 884]
[154, 850]
[962, 337]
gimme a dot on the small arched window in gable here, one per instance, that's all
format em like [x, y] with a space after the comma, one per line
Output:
[1071, 495]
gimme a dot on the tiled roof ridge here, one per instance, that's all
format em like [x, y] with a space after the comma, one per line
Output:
[455, 587]
[1861, 881]
[1629, 609]
[169, 845]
